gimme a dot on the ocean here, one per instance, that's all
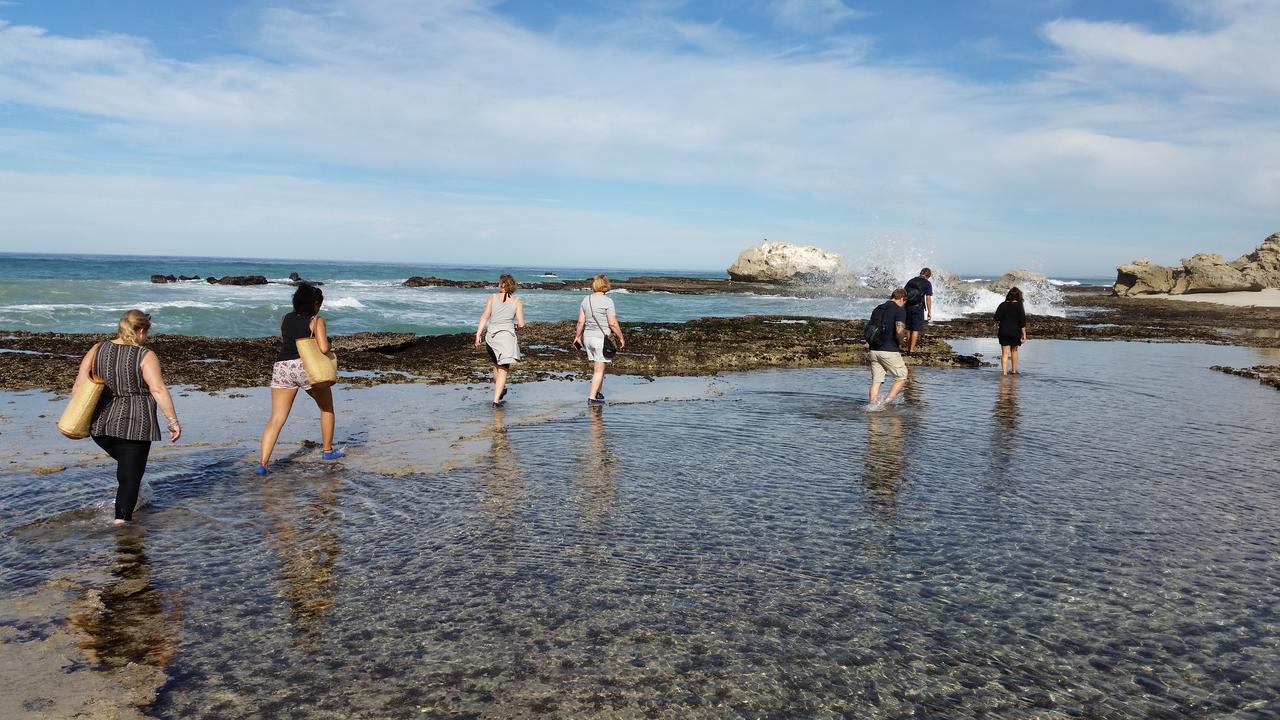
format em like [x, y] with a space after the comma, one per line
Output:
[88, 293]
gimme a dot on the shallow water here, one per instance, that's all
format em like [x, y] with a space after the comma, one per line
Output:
[1099, 537]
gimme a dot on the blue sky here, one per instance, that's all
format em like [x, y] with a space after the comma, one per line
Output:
[1063, 136]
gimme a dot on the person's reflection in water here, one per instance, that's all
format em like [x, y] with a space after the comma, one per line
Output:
[885, 460]
[911, 394]
[501, 487]
[596, 483]
[129, 620]
[1005, 427]
[303, 533]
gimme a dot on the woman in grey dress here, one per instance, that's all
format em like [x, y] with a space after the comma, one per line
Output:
[597, 320]
[503, 315]
[124, 423]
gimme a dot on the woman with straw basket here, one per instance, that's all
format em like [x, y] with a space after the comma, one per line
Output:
[123, 421]
[303, 335]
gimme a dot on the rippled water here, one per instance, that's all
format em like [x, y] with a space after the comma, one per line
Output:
[1097, 538]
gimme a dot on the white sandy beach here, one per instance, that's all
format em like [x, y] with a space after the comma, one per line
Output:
[1261, 298]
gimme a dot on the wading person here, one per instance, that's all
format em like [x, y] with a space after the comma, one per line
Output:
[288, 375]
[124, 422]
[503, 314]
[597, 327]
[1011, 320]
[919, 306]
[886, 355]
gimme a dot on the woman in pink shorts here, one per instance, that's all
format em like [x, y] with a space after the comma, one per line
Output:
[288, 374]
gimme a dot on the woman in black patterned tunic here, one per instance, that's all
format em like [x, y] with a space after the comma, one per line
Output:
[124, 423]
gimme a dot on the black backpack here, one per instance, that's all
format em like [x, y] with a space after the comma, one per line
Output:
[915, 295]
[873, 331]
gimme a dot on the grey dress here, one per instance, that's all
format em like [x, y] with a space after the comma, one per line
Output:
[500, 333]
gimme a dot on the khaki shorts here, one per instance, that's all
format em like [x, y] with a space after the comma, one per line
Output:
[883, 361]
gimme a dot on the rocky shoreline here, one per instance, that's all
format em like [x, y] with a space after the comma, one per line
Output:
[47, 361]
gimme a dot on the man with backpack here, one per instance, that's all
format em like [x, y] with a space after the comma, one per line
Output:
[919, 306]
[885, 333]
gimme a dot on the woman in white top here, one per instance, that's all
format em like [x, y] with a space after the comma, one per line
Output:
[597, 319]
[503, 315]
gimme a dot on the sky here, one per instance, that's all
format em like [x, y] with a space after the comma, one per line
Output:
[1066, 136]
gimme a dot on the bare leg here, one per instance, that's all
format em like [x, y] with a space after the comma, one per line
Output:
[281, 404]
[912, 338]
[895, 389]
[1013, 358]
[499, 381]
[597, 380]
[324, 400]
[1004, 359]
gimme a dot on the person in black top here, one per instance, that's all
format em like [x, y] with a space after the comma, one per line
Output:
[1012, 331]
[919, 306]
[288, 374]
[886, 358]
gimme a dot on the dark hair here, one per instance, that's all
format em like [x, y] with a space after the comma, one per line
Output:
[306, 297]
[1014, 295]
[898, 294]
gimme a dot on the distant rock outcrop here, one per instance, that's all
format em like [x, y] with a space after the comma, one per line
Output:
[295, 279]
[1018, 278]
[238, 280]
[778, 262]
[173, 278]
[433, 281]
[1204, 273]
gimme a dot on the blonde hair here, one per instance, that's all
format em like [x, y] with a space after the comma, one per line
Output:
[600, 283]
[132, 323]
[507, 284]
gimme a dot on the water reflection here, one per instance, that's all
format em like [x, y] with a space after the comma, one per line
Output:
[302, 531]
[1004, 428]
[596, 481]
[885, 459]
[502, 487]
[911, 394]
[129, 620]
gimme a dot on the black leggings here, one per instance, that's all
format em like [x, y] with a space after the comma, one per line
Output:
[131, 462]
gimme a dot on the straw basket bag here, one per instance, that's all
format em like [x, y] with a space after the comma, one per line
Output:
[78, 416]
[322, 368]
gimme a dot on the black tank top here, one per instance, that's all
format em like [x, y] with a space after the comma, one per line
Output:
[293, 326]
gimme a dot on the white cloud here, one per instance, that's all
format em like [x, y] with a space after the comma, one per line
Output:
[813, 15]
[1233, 59]
[1159, 126]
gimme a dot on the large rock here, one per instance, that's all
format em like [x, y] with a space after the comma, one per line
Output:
[1204, 272]
[1018, 278]
[778, 262]
[1143, 277]
[1262, 266]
